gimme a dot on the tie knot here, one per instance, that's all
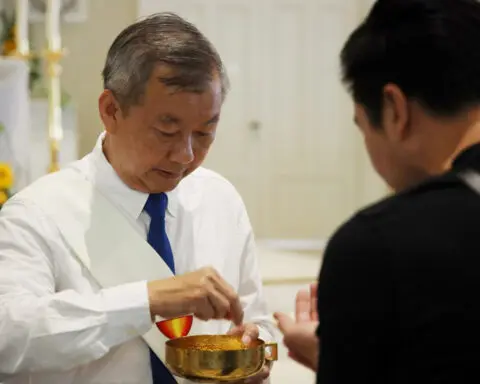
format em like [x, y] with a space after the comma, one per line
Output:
[156, 205]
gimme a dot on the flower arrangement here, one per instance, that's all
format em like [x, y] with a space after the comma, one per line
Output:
[8, 33]
[6, 179]
[6, 183]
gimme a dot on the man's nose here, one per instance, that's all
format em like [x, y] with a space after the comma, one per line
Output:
[182, 152]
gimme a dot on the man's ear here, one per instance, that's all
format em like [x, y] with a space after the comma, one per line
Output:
[395, 114]
[109, 110]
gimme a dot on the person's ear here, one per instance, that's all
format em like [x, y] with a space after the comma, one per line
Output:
[395, 113]
[109, 110]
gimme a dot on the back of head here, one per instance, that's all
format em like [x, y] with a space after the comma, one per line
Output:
[160, 39]
[428, 48]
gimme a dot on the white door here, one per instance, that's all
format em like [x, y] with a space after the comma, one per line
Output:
[286, 138]
[311, 163]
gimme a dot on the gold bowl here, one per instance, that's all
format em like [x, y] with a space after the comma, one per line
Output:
[217, 358]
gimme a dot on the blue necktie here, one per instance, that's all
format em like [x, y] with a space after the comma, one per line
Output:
[156, 208]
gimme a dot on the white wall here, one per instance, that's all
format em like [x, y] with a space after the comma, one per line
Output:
[364, 7]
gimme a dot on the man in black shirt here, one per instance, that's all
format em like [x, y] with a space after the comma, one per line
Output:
[399, 289]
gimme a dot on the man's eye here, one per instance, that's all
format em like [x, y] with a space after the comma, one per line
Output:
[162, 133]
[167, 134]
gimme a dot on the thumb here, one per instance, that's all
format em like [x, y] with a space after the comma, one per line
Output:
[248, 332]
[284, 322]
[251, 333]
[236, 330]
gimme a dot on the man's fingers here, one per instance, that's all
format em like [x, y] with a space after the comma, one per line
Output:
[235, 310]
[236, 331]
[203, 309]
[259, 377]
[313, 301]
[219, 303]
[299, 359]
[250, 333]
[303, 306]
[235, 313]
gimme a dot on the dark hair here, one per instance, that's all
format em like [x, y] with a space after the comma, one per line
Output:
[428, 48]
[162, 38]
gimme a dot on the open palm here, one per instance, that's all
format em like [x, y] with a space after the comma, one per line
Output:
[300, 333]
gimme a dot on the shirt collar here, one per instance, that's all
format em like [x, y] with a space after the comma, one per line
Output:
[468, 158]
[129, 200]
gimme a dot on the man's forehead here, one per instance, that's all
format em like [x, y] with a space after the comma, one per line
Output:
[175, 88]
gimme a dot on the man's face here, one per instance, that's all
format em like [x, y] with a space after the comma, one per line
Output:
[165, 138]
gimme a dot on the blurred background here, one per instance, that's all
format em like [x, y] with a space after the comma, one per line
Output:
[286, 138]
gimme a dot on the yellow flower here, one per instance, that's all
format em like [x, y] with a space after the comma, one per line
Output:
[9, 47]
[3, 197]
[6, 176]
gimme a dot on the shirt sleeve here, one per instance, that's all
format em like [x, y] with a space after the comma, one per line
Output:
[43, 328]
[251, 288]
[355, 307]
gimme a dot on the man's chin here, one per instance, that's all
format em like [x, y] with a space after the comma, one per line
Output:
[159, 181]
[171, 186]
[163, 185]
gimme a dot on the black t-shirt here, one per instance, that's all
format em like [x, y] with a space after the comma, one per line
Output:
[399, 289]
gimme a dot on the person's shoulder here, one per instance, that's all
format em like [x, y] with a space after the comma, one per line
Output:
[49, 184]
[356, 237]
[428, 195]
[364, 231]
[44, 191]
[25, 207]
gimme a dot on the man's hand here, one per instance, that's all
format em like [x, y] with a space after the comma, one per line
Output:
[249, 332]
[306, 304]
[300, 339]
[300, 334]
[203, 293]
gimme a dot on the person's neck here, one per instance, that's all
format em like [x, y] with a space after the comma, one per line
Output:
[447, 139]
[443, 142]
[470, 136]
[132, 184]
[105, 148]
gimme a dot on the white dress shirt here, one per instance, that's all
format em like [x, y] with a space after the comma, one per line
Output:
[57, 325]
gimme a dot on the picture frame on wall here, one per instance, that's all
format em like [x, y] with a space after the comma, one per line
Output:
[73, 11]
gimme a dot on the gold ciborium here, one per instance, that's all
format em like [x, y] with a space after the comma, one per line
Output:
[217, 358]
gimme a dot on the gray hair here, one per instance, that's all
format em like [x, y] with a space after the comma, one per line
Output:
[162, 38]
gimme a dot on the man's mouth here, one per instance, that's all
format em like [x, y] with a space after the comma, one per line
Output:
[169, 174]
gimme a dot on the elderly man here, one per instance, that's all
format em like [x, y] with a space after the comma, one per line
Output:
[102, 262]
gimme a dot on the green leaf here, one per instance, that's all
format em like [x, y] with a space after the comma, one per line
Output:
[2, 127]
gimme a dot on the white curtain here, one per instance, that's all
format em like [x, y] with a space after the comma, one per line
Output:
[14, 117]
